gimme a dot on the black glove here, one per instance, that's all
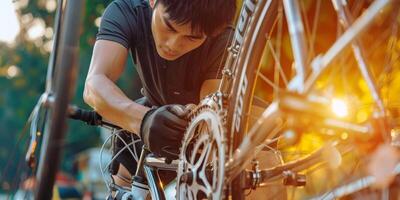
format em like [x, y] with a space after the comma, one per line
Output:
[162, 130]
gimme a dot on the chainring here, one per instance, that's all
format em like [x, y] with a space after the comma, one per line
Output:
[202, 157]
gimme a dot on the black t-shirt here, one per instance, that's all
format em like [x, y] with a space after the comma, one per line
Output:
[128, 22]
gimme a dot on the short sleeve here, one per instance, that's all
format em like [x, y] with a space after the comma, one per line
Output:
[217, 55]
[118, 23]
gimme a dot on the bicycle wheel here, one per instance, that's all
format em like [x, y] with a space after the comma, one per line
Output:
[265, 72]
[59, 98]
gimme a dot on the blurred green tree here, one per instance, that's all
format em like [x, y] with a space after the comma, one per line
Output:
[20, 92]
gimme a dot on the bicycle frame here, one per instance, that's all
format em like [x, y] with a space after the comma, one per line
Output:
[272, 118]
[146, 175]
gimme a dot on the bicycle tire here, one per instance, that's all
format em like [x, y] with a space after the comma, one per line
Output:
[65, 78]
[245, 75]
[244, 85]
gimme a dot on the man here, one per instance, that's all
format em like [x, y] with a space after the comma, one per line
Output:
[178, 47]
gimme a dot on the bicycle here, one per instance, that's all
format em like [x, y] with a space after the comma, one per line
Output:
[50, 113]
[225, 115]
[230, 139]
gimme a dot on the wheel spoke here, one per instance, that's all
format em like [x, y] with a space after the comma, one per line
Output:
[314, 29]
[269, 82]
[277, 63]
[278, 71]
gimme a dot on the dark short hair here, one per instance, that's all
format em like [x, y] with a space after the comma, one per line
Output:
[208, 17]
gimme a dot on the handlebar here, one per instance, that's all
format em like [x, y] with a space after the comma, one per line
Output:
[90, 117]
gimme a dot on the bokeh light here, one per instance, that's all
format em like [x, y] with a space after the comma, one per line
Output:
[339, 107]
[37, 29]
[8, 22]
[51, 5]
[12, 71]
[97, 22]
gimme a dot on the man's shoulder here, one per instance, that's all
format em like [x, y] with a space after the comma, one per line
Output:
[226, 34]
[120, 22]
[132, 3]
[220, 41]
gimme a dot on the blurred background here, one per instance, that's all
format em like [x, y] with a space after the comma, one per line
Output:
[26, 33]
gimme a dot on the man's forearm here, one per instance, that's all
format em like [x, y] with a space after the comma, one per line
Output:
[112, 104]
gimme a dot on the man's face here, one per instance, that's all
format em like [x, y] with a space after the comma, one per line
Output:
[172, 40]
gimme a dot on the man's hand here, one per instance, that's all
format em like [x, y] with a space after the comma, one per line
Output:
[162, 130]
